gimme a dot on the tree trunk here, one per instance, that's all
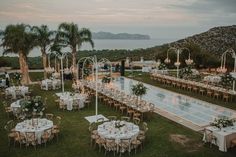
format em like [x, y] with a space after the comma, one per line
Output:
[74, 57]
[44, 56]
[25, 80]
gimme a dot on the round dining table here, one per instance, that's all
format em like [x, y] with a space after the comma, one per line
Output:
[37, 126]
[69, 98]
[118, 130]
[55, 83]
[16, 90]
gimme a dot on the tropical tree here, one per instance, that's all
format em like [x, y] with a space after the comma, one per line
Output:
[44, 38]
[19, 39]
[69, 35]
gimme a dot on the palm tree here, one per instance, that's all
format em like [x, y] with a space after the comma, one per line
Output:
[44, 39]
[70, 35]
[19, 39]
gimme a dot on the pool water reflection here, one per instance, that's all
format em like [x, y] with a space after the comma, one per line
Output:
[196, 111]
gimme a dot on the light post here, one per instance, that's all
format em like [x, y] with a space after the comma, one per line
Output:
[94, 61]
[177, 63]
[61, 57]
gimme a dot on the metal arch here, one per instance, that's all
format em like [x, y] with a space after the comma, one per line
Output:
[105, 60]
[176, 49]
[224, 55]
[85, 59]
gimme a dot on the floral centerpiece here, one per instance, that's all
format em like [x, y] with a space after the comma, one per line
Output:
[139, 90]
[227, 81]
[17, 77]
[222, 122]
[86, 72]
[162, 66]
[33, 107]
[186, 72]
[106, 79]
[119, 125]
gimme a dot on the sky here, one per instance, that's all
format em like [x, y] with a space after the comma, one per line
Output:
[157, 18]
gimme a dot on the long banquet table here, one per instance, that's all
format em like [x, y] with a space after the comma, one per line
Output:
[121, 97]
[194, 83]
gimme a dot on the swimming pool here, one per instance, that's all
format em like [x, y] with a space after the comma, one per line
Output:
[194, 110]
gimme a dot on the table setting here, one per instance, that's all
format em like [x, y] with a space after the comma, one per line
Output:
[14, 91]
[70, 98]
[50, 83]
[118, 130]
[36, 125]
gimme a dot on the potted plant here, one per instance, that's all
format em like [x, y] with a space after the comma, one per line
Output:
[106, 79]
[33, 107]
[227, 81]
[139, 90]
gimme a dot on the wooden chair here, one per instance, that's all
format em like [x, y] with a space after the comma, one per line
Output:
[8, 110]
[87, 102]
[233, 143]
[226, 97]
[57, 122]
[19, 138]
[210, 138]
[124, 145]
[47, 135]
[30, 139]
[100, 142]
[11, 135]
[94, 134]
[209, 93]
[136, 121]
[127, 119]
[61, 105]
[49, 116]
[110, 145]
[130, 112]
[137, 115]
[122, 108]
[111, 118]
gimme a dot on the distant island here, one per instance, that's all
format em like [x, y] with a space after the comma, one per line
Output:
[122, 36]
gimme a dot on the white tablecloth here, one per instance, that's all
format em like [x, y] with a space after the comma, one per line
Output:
[146, 69]
[54, 83]
[68, 99]
[15, 106]
[92, 119]
[56, 75]
[224, 136]
[36, 125]
[2, 83]
[212, 79]
[12, 90]
[128, 131]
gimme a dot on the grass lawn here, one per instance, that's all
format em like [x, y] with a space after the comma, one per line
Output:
[74, 140]
[145, 77]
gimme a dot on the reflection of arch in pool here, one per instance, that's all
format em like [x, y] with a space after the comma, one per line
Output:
[122, 83]
[161, 96]
[185, 106]
[130, 86]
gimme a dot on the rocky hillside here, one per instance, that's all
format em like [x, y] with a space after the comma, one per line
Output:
[215, 40]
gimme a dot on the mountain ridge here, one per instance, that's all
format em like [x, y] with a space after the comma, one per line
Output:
[123, 36]
[216, 40]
